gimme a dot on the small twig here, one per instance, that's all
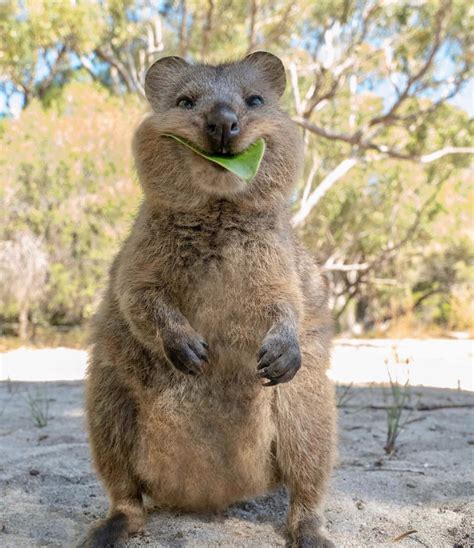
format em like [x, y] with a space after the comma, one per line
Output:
[418, 407]
[345, 395]
[416, 419]
[404, 535]
[383, 469]
[424, 407]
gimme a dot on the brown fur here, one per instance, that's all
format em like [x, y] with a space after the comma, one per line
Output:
[212, 259]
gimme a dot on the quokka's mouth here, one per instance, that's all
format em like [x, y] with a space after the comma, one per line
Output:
[245, 164]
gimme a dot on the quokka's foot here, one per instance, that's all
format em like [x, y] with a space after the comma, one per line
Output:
[308, 534]
[108, 533]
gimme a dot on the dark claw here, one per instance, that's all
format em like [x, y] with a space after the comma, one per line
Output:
[279, 359]
[186, 352]
[270, 383]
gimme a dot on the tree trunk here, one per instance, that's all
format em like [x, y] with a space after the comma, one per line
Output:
[23, 318]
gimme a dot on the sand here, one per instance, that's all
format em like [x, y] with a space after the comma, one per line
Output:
[49, 494]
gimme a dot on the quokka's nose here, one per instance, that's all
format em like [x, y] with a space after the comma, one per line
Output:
[223, 128]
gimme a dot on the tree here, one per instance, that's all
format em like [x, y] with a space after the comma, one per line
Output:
[23, 269]
[399, 49]
[67, 180]
[371, 85]
[40, 43]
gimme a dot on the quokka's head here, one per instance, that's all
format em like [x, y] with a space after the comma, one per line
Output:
[220, 109]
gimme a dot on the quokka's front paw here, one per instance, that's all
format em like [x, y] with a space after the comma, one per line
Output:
[186, 350]
[279, 358]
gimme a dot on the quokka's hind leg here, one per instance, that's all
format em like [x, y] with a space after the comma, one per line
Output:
[112, 421]
[305, 414]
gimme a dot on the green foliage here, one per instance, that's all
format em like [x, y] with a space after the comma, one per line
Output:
[409, 222]
[67, 176]
[45, 29]
[398, 397]
[38, 405]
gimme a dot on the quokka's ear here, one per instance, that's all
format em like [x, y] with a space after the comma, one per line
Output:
[161, 76]
[271, 67]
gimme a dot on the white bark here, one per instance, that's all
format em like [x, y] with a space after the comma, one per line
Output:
[330, 179]
[341, 267]
[295, 87]
[346, 165]
[433, 156]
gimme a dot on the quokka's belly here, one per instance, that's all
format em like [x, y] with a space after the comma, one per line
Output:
[199, 452]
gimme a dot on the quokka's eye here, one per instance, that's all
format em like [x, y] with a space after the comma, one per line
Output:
[185, 102]
[254, 101]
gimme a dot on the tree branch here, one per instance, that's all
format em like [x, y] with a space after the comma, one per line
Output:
[87, 64]
[44, 85]
[183, 46]
[340, 267]
[329, 181]
[132, 71]
[346, 165]
[422, 159]
[353, 139]
[207, 28]
[252, 25]
[433, 156]
[295, 87]
[119, 67]
[309, 180]
[412, 79]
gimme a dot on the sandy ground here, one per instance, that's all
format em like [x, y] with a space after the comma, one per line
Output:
[49, 494]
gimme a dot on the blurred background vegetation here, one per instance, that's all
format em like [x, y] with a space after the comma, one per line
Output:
[381, 88]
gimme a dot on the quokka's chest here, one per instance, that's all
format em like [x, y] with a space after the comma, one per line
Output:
[198, 247]
[230, 253]
[225, 290]
[226, 279]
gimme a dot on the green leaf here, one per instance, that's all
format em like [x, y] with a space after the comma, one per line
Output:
[245, 165]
